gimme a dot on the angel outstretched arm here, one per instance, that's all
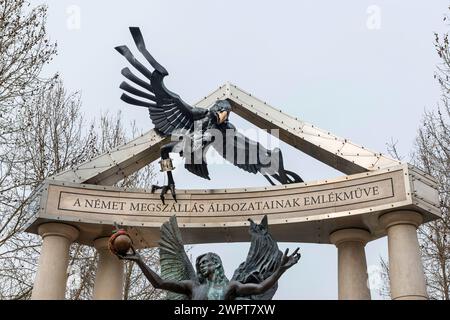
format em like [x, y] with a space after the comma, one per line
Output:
[241, 289]
[182, 287]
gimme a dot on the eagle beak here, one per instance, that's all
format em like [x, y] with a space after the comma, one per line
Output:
[222, 117]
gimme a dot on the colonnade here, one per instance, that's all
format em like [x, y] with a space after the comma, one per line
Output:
[406, 274]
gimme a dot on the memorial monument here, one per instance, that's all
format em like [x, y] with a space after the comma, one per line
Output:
[377, 196]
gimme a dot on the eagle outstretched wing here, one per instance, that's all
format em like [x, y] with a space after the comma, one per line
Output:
[168, 111]
[263, 259]
[252, 157]
[175, 264]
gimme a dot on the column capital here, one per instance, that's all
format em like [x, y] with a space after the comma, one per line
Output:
[51, 277]
[393, 218]
[350, 235]
[58, 229]
[101, 243]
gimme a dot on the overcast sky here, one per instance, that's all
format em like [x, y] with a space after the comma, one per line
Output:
[360, 69]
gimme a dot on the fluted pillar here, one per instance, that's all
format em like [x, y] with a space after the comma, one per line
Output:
[51, 278]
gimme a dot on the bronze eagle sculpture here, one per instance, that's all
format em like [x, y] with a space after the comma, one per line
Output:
[194, 130]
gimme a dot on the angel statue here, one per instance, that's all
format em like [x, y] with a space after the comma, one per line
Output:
[256, 278]
[193, 130]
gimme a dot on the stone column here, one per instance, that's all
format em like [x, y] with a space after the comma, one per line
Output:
[110, 273]
[51, 277]
[405, 264]
[352, 266]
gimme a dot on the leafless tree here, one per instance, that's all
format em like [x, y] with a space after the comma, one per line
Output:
[57, 138]
[383, 288]
[42, 132]
[50, 140]
[432, 155]
[24, 50]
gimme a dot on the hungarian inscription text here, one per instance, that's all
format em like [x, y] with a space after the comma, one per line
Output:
[138, 204]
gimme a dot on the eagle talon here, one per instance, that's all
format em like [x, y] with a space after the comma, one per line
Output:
[154, 188]
[172, 191]
[164, 190]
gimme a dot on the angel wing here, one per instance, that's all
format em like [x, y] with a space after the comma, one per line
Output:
[252, 157]
[263, 259]
[175, 264]
[168, 111]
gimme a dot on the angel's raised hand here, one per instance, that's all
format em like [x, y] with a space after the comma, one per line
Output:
[134, 256]
[289, 261]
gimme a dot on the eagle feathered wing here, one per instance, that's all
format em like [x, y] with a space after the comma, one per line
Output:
[168, 111]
